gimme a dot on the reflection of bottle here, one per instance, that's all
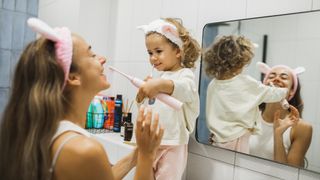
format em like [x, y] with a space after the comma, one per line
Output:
[117, 114]
[128, 128]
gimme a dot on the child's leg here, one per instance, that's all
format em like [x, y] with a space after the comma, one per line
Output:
[240, 144]
[243, 143]
[170, 162]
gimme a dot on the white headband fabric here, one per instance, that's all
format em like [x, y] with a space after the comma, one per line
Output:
[62, 39]
[164, 28]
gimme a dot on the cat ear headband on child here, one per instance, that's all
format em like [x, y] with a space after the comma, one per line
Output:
[62, 39]
[265, 69]
[164, 28]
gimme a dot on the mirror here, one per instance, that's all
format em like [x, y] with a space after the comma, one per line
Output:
[293, 40]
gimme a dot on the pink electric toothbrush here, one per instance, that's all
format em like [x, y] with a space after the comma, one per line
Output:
[169, 100]
[284, 103]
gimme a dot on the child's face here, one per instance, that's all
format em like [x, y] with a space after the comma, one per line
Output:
[162, 54]
[90, 66]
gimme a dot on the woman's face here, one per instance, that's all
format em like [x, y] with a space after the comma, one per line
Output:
[89, 65]
[281, 77]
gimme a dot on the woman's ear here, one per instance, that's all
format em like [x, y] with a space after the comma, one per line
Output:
[74, 79]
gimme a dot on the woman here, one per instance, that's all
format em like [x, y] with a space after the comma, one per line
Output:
[283, 138]
[42, 135]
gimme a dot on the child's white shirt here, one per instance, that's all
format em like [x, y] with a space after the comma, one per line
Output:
[179, 124]
[232, 106]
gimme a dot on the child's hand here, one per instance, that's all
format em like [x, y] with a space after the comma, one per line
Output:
[281, 125]
[148, 134]
[141, 95]
[150, 88]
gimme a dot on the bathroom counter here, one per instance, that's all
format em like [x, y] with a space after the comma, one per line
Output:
[116, 148]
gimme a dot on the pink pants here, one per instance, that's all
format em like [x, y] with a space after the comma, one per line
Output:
[170, 162]
[240, 144]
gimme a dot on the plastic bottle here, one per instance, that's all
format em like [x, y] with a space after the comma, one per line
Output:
[128, 128]
[110, 105]
[117, 113]
[89, 123]
[98, 113]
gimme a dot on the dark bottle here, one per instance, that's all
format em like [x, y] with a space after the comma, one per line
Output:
[124, 116]
[117, 113]
[128, 127]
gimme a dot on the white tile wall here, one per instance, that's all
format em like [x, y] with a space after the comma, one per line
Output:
[266, 167]
[220, 10]
[257, 8]
[245, 174]
[308, 175]
[315, 4]
[202, 168]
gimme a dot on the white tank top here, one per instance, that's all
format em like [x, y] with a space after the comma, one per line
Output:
[262, 144]
[63, 127]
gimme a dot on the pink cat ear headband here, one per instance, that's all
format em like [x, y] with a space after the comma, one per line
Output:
[164, 28]
[265, 69]
[63, 42]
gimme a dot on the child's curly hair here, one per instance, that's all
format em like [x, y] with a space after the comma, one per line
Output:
[227, 55]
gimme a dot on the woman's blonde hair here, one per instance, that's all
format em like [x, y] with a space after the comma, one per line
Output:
[30, 119]
[227, 55]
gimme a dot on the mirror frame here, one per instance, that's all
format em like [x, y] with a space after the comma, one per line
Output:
[202, 75]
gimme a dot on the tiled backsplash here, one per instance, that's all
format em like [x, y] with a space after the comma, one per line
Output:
[14, 35]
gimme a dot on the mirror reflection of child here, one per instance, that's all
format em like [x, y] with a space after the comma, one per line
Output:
[233, 98]
[173, 52]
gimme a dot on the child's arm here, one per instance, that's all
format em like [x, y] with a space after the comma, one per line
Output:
[152, 87]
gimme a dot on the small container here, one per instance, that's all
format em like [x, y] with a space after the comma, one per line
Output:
[128, 127]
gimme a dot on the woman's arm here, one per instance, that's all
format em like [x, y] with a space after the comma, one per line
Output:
[148, 140]
[302, 135]
[280, 126]
[122, 167]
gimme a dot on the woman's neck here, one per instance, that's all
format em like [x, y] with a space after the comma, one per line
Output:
[270, 109]
[78, 109]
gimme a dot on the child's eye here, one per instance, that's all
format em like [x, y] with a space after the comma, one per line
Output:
[150, 53]
[159, 51]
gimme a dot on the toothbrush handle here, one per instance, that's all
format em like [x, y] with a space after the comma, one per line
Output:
[165, 98]
[170, 101]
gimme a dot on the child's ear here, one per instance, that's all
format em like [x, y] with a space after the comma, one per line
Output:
[179, 53]
[74, 79]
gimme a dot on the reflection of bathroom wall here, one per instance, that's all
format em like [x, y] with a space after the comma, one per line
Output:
[13, 37]
[294, 41]
[209, 34]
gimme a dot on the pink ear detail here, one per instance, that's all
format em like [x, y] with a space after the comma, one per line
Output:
[299, 70]
[264, 68]
[169, 29]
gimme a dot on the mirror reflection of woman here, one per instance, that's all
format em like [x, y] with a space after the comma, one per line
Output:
[283, 139]
[233, 98]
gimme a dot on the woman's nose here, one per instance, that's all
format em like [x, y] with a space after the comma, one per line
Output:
[102, 60]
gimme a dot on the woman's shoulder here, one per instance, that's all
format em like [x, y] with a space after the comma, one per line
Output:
[77, 154]
[302, 129]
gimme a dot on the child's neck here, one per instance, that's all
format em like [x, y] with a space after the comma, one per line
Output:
[229, 76]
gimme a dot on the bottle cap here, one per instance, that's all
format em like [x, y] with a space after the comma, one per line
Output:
[127, 118]
[119, 96]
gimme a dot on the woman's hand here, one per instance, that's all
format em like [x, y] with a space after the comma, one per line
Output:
[281, 125]
[148, 134]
